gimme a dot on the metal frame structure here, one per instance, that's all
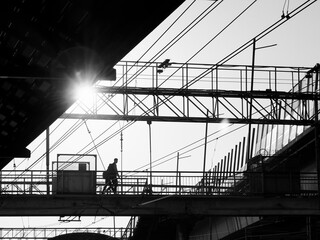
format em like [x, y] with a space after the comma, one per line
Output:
[223, 182]
[45, 233]
[194, 93]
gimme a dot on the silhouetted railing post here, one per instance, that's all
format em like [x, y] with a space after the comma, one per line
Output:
[31, 182]
[316, 130]
[177, 172]
[150, 145]
[180, 183]
[121, 181]
[234, 182]
[48, 159]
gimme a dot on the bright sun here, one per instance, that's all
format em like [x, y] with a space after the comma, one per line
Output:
[83, 89]
[84, 93]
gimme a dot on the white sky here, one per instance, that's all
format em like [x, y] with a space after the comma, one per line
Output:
[297, 45]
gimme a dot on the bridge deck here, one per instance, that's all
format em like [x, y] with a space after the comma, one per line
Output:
[173, 193]
[48, 233]
[101, 205]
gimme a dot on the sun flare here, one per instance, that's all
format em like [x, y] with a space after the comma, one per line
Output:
[84, 93]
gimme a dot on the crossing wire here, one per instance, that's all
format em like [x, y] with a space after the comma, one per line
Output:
[178, 37]
[246, 45]
[85, 122]
[130, 123]
[111, 136]
[233, 54]
[167, 49]
[63, 138]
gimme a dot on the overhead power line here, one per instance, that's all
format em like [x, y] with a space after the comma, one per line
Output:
[227, 58]
[240, 49]
[177, 38]
[172, 42]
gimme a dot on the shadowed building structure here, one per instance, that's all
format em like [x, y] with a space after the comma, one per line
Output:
[46, 47]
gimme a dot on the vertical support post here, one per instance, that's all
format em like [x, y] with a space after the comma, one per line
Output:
[236, 160]
[180, 183]
[213, 108]
[125, 83]
[250, 106]
[243, 151]
[242, 111]
[252, 141]
[228, 165]
[316, 130]
[177, 173]
[218, 174]
[0, 184]
[150, 146]
[205, 147]
[114, 226]
[234, 167]
[121, 150]
[31, 183]
[217, 98]
[231, 163]
[239, 157]
[224, 168]
[187, 86]
[121, 181]
[48, 159]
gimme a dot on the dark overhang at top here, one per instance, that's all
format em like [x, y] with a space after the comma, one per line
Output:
[44, 42]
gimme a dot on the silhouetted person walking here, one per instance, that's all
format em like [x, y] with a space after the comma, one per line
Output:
[111, 176]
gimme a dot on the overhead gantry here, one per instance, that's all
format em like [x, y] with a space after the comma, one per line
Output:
[172, 193]
[194, 93]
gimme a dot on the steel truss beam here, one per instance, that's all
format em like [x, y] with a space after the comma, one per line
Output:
[203, 100]
[46, 233]
[100, 205]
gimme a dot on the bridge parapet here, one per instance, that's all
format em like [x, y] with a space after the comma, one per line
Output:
[46, 233]
[170, 183]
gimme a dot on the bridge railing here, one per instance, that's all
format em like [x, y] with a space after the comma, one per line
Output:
[172, 183]
[129, 230]
[45, 233]
[25, 182]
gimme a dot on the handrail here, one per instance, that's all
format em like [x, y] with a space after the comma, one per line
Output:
[167, 183]
[45, 233]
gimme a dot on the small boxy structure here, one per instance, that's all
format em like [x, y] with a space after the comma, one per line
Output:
[74, 174]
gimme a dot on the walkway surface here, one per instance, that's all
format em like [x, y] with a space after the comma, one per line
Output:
[72, 193]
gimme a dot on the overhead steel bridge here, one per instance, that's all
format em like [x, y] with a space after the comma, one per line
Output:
[186, 92]
[46, 233]
[26, 193]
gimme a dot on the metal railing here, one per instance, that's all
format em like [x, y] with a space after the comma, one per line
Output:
[173, 183]
[45, 233]
[130, 227]
[203, 93]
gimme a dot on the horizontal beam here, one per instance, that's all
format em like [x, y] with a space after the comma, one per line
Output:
[185, 119]
[104, 205]
[267, 94]
[59, 74]
[48, 233]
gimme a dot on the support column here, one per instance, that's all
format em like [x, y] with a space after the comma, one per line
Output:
[150, 145]
[250, 105]
[48, 159]
[205, 149]
[316, 128]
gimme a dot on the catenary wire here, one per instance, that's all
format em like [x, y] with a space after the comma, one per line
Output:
[227, 58]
